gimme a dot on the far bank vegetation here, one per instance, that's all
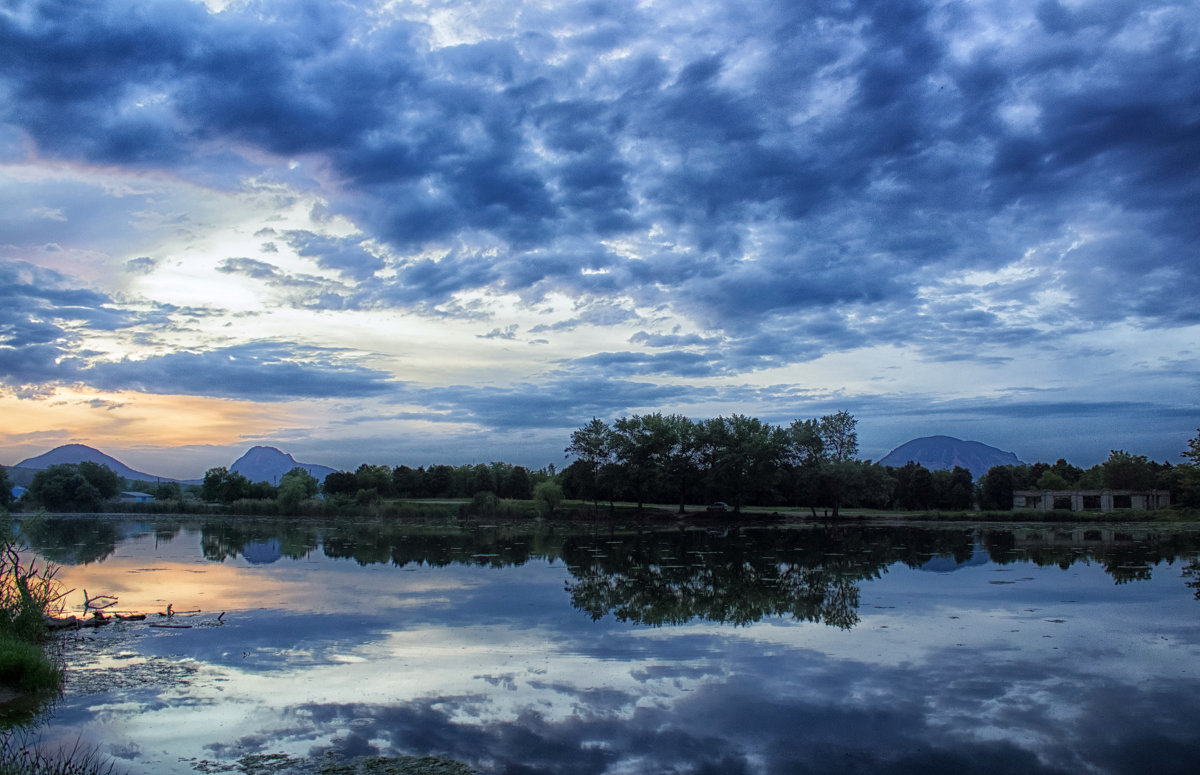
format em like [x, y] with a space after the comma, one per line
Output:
[668, 463]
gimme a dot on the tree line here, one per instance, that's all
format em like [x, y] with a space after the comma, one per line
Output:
[656, 458]
[742, 460]
[370, 484]
[650, 577]
[89, 486]
[813, 463]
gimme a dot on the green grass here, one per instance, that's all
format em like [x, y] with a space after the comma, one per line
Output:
[25, 667]
[19, 759]
[1172, 514]
[28, 592]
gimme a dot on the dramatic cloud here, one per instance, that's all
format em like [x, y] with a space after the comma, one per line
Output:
[42, 320]
[265, 372]
[759, 192]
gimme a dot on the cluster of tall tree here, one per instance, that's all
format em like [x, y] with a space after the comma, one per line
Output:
[75, 486]
[738, 459]
[671, 458]
[224, 486]
[371, 482]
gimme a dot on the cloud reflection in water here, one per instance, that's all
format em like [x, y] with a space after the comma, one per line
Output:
[488, 662]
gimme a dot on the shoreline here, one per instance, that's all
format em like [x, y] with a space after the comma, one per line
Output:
[667, 516]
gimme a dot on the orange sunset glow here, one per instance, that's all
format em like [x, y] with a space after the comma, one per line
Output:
[127, 419]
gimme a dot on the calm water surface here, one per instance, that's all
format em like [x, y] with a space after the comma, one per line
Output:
[623, 650]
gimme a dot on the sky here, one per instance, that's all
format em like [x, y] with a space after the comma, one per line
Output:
[441, 232]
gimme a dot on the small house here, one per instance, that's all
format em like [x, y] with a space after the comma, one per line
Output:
[132, 496]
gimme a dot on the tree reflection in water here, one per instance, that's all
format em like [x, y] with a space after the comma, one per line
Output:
[667, 575]
[673, 578]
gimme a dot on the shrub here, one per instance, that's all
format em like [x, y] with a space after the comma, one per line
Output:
[27, 593]
[546, 498]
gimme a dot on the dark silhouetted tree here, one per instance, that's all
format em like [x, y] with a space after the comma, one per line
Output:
[1068, 472]
[1188, 475]
[681, 454]
[224, 486]
[406, 482]
[838, 468]
[996, 488]
[517, 484]
[1124, 471]
[594, 446]
[75, 486]
[6, 496]
[63, 488]
[168, 491]
[377, 478]
[915, 486]
[1049, 480]
[340, 483]
[744, 455]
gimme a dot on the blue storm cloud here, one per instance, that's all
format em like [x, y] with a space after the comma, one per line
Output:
[847, 149]
[555, 402]
[787, 179]
[43, 316]
[40, 315]
[263, 371]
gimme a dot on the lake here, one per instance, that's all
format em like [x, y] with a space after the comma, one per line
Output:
[624, 649]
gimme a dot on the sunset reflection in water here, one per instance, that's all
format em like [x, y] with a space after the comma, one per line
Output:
[576, 652]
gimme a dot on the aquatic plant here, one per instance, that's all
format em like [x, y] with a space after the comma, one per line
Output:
[28, 592]
[19, 758]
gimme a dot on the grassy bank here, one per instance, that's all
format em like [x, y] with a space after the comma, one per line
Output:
[27, 593]
[1173, 514]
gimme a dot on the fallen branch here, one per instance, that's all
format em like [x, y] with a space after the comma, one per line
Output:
[89, 603]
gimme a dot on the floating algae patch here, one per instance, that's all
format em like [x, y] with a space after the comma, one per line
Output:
[131, 674]
[106, 661]
[282, 764]
[399, 765]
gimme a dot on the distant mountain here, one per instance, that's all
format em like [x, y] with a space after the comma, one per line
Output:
[262, 552]
[944, 452]
[949, 564]
[79, 453]
[267, 464]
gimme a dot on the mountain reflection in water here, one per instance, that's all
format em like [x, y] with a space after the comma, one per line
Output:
[666, 576]
[566, 649]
